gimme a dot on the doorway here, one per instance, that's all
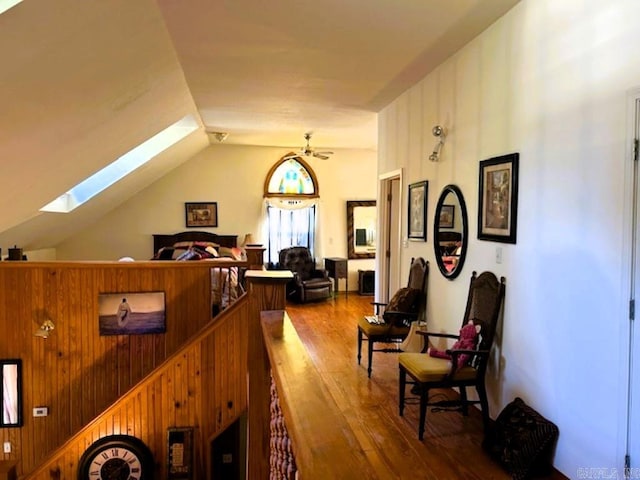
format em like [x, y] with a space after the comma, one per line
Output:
[389, 226]
[228, 452]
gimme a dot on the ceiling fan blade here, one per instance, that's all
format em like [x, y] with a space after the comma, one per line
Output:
[321, 156]
[293, 155]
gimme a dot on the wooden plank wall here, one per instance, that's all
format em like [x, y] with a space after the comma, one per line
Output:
[76, 372]
[203, 385]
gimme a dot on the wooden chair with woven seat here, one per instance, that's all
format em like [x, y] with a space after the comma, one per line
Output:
[484, 303]
[405, 307]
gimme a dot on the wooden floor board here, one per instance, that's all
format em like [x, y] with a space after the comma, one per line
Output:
[451, 446]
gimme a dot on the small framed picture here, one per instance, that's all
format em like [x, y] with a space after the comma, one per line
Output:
[418, 210]
[131, 313]
[447, 214]
[203, 214]
[498, 199]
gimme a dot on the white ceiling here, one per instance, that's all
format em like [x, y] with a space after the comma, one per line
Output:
[268, 71]
[84, 82]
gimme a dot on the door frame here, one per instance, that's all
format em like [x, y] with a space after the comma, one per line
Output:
[629, 400]
[387, 231]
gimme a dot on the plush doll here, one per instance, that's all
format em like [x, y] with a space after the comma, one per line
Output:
[467, 341]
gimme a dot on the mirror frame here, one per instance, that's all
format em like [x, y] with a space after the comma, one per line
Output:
[465, 231]
[17, 393]
[351, 204]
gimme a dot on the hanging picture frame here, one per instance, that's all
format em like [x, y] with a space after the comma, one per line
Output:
[498, 199]
[204, 214]
[417, 202]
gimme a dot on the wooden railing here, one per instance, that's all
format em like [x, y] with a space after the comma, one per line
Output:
[323, 443]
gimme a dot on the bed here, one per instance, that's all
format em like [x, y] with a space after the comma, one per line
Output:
[226, 285]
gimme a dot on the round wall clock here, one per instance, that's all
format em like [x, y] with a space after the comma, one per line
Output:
[116, 457]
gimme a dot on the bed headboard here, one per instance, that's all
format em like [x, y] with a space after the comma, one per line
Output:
[163, 240]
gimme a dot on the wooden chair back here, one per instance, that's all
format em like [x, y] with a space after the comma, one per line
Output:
[484, 303]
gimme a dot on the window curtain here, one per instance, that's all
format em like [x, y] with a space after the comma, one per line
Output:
[288, 223]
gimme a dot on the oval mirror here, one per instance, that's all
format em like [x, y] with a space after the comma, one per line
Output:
[450, 228]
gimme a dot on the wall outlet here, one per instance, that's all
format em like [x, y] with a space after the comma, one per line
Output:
[7, 447]
[498, 254]
[40, 412]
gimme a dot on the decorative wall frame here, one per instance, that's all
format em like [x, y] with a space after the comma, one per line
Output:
[447, 216]
[417, 202]
[203, 214]
[498, 198]
[130, 313]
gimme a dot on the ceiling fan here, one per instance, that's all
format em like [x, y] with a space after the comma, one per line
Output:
[308, 151]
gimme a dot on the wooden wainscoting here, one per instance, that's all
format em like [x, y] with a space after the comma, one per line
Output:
[77, 373]
[203, 385]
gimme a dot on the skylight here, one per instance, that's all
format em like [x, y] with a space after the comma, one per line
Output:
[7, 4]
[122, 167]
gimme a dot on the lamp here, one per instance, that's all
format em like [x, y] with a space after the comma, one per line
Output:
[440, 133]
[249, 241]
[46, 328]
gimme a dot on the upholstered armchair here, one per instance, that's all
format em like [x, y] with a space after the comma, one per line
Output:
[309, 282]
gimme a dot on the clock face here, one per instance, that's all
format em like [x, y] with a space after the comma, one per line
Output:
[116, 457]
[115, 463]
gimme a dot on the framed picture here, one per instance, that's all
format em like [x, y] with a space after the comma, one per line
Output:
[180, 453]
[131, 313]
[201, 214]
[498, 199]
[418, 210]
[447, 214]
[11, 387]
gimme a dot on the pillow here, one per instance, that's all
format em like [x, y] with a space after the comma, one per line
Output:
[182, 244]
[165, 253]
[231, 252]
[205, 244]
[405, 300]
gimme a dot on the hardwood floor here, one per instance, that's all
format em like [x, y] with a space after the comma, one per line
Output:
[451, 446]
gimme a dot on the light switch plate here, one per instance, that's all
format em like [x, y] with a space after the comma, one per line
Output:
[7, 447]
[40, 411]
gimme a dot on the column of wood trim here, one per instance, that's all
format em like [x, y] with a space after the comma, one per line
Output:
[267, 291]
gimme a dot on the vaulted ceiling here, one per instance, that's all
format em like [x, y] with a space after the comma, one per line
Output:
[83, 82]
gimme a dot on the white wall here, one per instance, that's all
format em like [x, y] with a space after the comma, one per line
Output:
[233, 176]
[549, 80]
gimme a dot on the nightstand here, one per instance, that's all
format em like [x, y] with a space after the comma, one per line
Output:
[338, 268]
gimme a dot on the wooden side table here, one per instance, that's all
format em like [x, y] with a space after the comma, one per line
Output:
[338, 268]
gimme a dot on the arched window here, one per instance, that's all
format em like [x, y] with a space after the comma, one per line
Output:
[291, 204]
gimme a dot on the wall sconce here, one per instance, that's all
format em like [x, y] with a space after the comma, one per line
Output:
[46, 328]
[440, 133]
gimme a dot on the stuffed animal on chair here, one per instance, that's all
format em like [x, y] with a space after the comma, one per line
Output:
[467, 341]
